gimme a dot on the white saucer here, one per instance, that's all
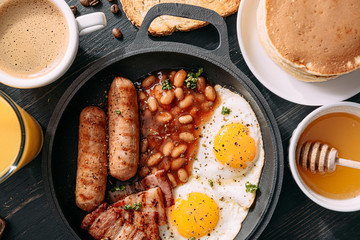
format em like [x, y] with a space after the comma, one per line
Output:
[277, 80]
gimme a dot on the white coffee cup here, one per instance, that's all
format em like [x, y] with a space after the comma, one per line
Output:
[77, 27]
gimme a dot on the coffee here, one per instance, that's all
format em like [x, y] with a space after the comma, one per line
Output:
[34, 36]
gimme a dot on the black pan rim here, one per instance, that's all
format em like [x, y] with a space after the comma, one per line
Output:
[121, 54]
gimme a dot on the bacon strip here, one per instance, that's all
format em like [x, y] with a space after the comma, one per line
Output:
[113, 222]
[159, 179]
[89, 219]
[128, 231]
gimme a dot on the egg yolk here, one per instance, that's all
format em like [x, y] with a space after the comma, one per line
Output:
[195, 215]
[234, 146]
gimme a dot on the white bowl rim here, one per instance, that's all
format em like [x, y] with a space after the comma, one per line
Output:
[341, 205]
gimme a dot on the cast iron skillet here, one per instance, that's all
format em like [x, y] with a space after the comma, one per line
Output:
[134, 62]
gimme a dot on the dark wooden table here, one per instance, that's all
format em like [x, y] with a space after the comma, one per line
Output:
[23, 200]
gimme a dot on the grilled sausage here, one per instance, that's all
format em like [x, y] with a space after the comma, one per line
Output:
[123, 129]
[91, 173]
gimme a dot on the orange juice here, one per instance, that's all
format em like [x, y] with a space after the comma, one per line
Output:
[341, 131]
[21, 137]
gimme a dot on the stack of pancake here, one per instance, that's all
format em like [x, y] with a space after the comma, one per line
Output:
[312, 40]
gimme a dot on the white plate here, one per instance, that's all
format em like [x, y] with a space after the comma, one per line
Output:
[277, 80]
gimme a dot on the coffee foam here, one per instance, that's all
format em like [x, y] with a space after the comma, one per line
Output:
[34, 36]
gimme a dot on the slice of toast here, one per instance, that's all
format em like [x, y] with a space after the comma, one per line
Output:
[165, 25]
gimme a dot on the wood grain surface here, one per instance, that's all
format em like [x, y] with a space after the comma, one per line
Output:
[22, 197]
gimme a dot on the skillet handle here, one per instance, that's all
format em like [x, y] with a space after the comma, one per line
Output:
[142, 39]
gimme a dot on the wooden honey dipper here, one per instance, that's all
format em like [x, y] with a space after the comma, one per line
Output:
[318, 156]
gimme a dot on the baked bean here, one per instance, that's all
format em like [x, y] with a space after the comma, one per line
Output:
[210, 93]
[179, 93]
[200, 84]
[187, 102]
[162, 77]
[152, 104]
[144, 145]
[158, 92]
[148, 81]
[175, 110]
[177, 151]
[168, 147]
[187, 137]
[177, 163]
[186, 127]
[143, 158]
[165, 164]
[206, 106]
[194, 111]
[185, 119]
[152, 144]
[144, 130]
[179, 78]
[144, 171]
[147, 113]
[142, 106]
[142, 96]
[154, 159]
[167, 98]
[172, 179]
[183, 175]
[200, 97]
[164, 117]
[172, 76]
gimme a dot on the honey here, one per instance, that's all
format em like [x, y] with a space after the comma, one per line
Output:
[341, 131]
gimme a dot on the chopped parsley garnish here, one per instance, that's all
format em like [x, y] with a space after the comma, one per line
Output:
[166, 85]
[136, 207]
[118, 188]
[127, 207]
[191, 79]
[211, 182]
[117, 112]
[192, 238]
[225, 111]
[250, 187]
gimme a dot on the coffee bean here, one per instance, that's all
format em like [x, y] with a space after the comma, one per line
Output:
[94, 2]
[117, 33]
[85, 3]
[73, 9]
[114, 8]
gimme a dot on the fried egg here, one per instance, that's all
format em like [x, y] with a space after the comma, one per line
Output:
[231, 143]
[200, 212]
[215, 201]
[231, 149]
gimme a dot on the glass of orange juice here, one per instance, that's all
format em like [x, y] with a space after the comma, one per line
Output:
[21, 137]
